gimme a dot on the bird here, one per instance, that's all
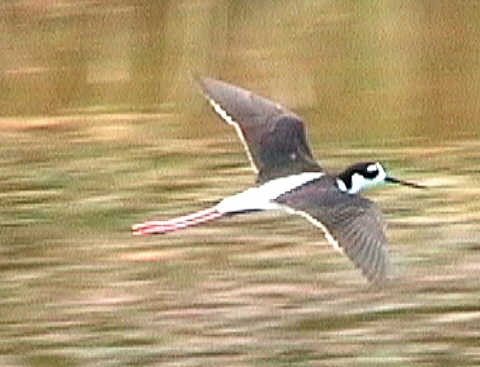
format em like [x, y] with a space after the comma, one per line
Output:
[290, 179]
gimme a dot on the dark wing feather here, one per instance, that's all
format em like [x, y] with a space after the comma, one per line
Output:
[352, 223]
[274, 137]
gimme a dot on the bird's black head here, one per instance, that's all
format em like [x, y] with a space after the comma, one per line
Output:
[362, 175]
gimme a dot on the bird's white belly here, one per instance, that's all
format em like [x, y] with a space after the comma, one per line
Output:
[263, 196]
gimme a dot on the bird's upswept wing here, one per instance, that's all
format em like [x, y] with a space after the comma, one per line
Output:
[351, 223]
[273, 136]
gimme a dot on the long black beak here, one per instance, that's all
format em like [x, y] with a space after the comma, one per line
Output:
[404, 183]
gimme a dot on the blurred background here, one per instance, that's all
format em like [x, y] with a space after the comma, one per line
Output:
[102, 126]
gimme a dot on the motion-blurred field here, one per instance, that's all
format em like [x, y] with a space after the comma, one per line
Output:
[263, 289]
[102, 128]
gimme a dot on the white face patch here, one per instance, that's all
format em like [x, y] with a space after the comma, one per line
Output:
[381, 173]
[373, 167]
[261, 197]
[359, 182]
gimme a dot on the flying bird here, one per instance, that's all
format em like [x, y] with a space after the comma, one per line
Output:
[289, 179]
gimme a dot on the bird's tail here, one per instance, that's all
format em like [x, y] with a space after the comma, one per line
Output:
[161, 227]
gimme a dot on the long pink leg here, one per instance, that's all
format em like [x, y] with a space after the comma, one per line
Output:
[160, 227]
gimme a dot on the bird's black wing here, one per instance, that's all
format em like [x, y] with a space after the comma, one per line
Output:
[273, 136]
[351, 223]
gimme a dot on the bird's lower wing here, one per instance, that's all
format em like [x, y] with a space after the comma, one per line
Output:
[351, 224]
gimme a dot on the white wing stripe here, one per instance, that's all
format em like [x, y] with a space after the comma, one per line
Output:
[318, 224]
[224, 115]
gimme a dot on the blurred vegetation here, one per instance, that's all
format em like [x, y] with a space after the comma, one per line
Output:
[101, 127]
